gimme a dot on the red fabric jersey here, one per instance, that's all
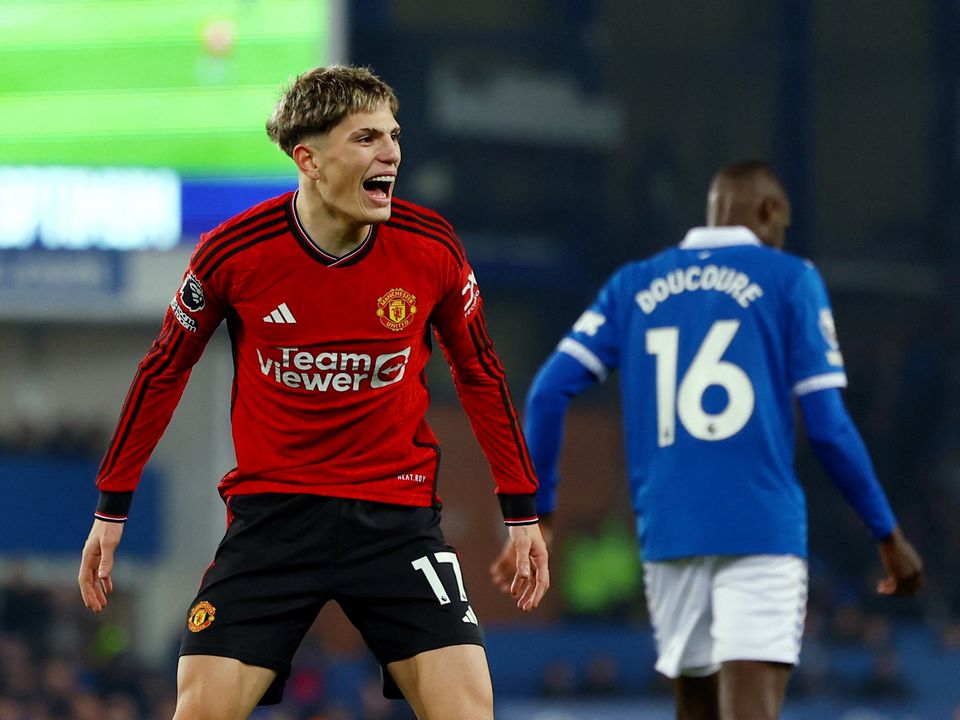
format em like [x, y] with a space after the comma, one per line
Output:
[329, 393]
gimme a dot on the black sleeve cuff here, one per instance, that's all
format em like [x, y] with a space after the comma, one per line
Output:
[113, 506]
[519, 509]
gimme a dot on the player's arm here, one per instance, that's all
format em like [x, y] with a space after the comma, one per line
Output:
[843, 454]
[151, 400]
[481, 385]
[559, 379]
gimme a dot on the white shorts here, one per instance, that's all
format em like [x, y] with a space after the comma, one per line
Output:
[708, 610]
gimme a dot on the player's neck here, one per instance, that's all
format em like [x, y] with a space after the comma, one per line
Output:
[334, 235]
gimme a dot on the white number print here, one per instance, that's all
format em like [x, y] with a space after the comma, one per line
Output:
[707, 368]
[424, 565]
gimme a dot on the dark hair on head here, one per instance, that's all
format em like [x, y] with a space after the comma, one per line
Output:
[321, 98]
[748, 170]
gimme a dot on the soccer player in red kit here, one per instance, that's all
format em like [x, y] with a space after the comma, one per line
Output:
[329, 294]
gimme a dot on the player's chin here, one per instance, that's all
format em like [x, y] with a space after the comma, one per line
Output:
[376, 214]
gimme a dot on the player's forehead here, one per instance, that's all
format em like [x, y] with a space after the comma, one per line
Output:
[379, 119]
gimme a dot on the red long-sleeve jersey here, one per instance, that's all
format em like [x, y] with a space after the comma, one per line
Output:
[329, 393]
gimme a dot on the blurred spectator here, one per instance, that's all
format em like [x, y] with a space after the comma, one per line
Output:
[602, 677]
[885, 680]
[559, 679]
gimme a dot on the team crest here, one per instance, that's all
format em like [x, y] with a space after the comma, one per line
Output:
[201, 616]
[828, 328]
[396, 309]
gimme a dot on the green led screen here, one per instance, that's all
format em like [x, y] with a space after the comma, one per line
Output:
[186, 84]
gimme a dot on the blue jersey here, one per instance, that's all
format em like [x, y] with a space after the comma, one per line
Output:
[713, 338]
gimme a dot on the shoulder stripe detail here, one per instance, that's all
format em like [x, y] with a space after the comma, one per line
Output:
[435, 220]
[159, 359]
[584, 356]
[820, 382]
[445, 239]
[492, 367]
[220, 241]
[234, 249]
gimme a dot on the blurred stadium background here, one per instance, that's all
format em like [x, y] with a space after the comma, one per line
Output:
[562, 138]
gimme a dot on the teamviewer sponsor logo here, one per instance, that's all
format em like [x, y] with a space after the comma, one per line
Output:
[332, 371]
[389, 368]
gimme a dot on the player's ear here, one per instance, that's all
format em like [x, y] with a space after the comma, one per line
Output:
[767, 209]
[305, 158]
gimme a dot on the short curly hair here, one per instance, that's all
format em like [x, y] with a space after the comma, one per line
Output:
[319, 99]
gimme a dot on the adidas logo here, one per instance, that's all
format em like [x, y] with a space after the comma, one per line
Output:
[281, 315]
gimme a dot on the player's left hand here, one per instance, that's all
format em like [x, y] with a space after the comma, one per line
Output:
[504, 567]
[903, 565]
[96, 564]
[525, 558]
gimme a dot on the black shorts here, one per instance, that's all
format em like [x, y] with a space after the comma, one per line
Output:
[284, 556]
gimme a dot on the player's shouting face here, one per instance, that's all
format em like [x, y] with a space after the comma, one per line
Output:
[354, 166]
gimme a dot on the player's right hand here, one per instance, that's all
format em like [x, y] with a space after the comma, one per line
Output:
[96, 564]
[903, 565]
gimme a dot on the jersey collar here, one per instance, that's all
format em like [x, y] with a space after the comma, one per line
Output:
[716, 237]
[324, 258]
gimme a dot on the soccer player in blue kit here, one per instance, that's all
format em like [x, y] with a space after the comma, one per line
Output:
[714, 339]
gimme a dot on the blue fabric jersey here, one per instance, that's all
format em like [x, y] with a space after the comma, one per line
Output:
[713, 338]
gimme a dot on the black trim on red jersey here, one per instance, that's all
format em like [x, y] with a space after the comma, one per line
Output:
[163, 356]
[427, 216]
[519, 509]
[130, 392]
[325, 258]
[430, 224]
[436, 470]
[219, 242]
[113, 506]
[484, 347]
[232, 320]
[234, 249]
[445, 240]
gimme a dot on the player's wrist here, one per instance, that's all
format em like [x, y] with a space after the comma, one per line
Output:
[113, 506]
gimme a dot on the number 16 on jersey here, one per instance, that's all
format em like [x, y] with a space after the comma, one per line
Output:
[685, 401]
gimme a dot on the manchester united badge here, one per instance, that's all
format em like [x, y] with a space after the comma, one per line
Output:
[201, 616]
[396, 308]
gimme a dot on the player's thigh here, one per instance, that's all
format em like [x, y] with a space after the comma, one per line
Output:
[752, 690]
[218, 688]
[679, 598]
[401, 585]
[267, 584]
[449, 682]
[759, 604]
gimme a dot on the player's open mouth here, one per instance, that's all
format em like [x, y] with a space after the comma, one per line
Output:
[379, 187]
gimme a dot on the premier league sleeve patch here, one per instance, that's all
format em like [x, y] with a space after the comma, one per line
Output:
[191, 293]
[828, 329]
[189, 299]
